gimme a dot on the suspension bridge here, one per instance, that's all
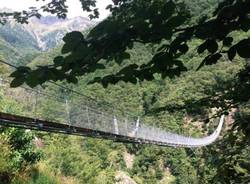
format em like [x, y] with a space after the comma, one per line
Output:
[46, 110]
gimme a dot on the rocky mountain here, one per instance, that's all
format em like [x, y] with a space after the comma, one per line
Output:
[42, 34]
[21, 42]
[48, 31]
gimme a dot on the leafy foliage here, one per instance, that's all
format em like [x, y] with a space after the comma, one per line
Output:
[17, 147]
[153, 42]
[157, 22]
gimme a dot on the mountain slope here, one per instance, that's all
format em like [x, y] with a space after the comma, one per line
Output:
[16, 55]
[48, 31]
[20, 43]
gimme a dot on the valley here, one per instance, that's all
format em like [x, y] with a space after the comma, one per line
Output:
[185, 104]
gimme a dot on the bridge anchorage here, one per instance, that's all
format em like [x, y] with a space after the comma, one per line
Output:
[78, 117]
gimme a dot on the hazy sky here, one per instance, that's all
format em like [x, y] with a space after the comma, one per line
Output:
[74, 6]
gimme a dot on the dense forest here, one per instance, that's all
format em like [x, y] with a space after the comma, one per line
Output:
[45, 158]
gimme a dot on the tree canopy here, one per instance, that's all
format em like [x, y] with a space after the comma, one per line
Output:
[167, 26]
[148, 43]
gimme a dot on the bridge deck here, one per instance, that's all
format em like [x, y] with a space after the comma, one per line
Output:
[11, 120]
[51, 111]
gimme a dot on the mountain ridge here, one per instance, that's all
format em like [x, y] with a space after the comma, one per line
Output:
[49, 31]
[20, 43]
[44, 33]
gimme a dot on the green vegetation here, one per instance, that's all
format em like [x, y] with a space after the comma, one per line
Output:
[17, 149]
[86, 160]
[182, 104]
[16, 44]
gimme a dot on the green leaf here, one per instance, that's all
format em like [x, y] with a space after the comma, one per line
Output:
[66, 48]
[73, 36]
[100, 66]
[72, 79]
[168, 9]
[162, 60]
[125, 55]
[32, 79]
[244, 51]
[58, 61]
[202, 47]
[209, 60]
[213, 59]
[231, 53]
[148, 76]
[17, 82]
[23, 70]
[128, 70]
[95, 80]
[16, 74]
[228, 41]
[183, 48]
[176, 21]
[201, 64]
[245, 24]
[212, 46]
[71, 40]
[181, 66]
[108, 79]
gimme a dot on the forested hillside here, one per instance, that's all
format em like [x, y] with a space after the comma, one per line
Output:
[43, 158]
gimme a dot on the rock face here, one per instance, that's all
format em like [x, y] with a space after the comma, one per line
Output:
[38, 142]
[21, 43]
[41, 34]
[123, 178]
[129, 160]
[49, 31]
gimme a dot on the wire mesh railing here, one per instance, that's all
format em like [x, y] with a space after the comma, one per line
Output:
[53, 106]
